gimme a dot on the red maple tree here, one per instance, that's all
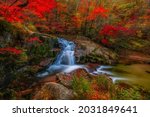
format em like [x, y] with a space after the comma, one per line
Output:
[98, 11]
[15, 10]
[110, 30]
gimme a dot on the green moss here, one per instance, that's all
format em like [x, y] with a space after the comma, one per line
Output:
[128, 94]
[103, 82]
[81, 86]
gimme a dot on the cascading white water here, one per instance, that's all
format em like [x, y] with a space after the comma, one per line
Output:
[65, 62]
[66, 56]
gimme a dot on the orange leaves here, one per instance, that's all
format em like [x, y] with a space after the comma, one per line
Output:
[97, 93]
[77, 19]
[61, 7]
[94, 96]
[98, 11]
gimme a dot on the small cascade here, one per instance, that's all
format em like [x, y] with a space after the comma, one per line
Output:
[65, 60]
[65, 63]
[66, 55]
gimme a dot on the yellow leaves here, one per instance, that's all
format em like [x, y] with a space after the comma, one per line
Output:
[32, 27]
[19, 27]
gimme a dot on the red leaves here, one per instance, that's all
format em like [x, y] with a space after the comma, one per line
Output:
[114, 31]
[99, 11]
[110, 30]
[105, 41]
[34, 39]
[10, 50]
[11, 13]
[57, 26]
[39, 7]
[16, 13]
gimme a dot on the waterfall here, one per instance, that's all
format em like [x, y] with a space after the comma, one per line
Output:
[65, 60]
[65, 63]
[66, 55]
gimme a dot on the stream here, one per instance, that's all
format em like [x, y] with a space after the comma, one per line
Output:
[138, 74]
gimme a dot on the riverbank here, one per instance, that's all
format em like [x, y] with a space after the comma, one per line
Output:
[81, 85]
[78, 85]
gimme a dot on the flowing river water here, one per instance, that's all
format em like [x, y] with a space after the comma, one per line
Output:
[138, 74]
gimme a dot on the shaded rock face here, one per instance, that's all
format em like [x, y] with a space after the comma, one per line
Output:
[89, 51]
[54, 91]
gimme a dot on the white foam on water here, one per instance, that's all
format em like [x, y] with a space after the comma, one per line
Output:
[65, 63]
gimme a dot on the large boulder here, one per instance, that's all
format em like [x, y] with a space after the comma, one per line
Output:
[89, 51]
[54, 91]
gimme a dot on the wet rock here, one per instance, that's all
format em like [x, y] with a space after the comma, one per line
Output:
[54, 91]
[52, 78]
[81, 73]
[65, 79]
[96, 52]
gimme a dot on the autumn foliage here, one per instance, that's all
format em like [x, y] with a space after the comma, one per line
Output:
[110, 30]
[14, 11]
[34, 39]
[10, 50]
[29, 31]
[101, 20]
[98, 11]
